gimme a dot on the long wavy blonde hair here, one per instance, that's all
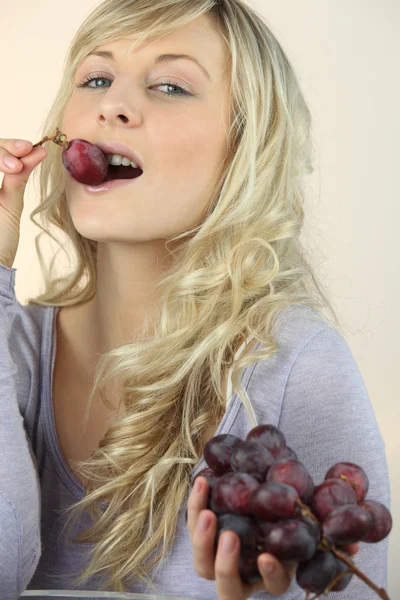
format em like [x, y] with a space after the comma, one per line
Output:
[233, 276]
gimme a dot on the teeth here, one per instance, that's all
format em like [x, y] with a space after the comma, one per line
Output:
[118, 160]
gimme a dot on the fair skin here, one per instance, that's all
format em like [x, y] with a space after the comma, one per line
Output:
[182, 143]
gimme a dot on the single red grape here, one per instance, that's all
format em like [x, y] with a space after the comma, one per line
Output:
[316, 573]
[272, 501]
[353, 475]
[85, 162]
[218, 451]
[381, 521]
[288, 539]
[231, 494]
[346, 524]
[270, 437]
[252, 458]
[330, 494]
[294, 473]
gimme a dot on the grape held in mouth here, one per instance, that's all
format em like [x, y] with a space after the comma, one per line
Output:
[86, 162]
[259, 489]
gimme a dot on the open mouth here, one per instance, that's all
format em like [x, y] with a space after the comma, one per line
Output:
[121, 172]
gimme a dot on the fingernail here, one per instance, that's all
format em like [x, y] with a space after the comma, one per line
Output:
[228, 544]
[204, 523]
[197, 486]
[11, 162]
[21, 144]
[268, 567]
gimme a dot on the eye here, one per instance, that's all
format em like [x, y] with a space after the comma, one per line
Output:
[99, 77]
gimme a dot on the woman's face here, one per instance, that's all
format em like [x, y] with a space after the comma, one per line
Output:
[180, 139]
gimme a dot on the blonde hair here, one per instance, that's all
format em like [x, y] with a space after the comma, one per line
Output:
[232, 278]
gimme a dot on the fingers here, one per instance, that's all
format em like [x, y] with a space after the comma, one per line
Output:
[9, 151]
[352, 549]
[202, 526]
[228, 581]
[229, 584]
[224, 567]
[197, 501]
[11, 154]
[276, 576]
[26, 159]
[203, 544]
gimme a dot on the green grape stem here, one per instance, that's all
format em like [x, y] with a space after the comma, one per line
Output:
[327, 547]
[58, 138]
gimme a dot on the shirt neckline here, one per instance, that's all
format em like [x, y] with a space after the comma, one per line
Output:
[56, 454]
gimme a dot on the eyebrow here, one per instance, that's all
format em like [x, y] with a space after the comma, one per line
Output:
[158, 59]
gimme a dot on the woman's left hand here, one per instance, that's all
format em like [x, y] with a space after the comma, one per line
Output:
[202, 526]
[223, 568]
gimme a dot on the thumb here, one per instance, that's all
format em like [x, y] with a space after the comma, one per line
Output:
[14, 184]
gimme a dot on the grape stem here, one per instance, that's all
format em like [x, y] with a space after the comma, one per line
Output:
[327, 547]
[331, 585]
[380, 591]
[305, 511]
[58, 138]
[347, 480]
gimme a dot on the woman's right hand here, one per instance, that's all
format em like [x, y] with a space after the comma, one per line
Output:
[12, 192]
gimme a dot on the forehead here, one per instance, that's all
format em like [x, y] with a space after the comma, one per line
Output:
[198, 38]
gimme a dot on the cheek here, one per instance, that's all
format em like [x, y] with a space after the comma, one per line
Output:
[68, 127]
[73, 115]
[194, 151]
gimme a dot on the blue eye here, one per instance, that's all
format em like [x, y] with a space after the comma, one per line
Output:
[169, 83]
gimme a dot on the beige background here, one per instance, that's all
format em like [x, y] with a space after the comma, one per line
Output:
[347, 55]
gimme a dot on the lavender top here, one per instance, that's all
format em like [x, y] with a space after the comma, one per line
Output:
[311, 389]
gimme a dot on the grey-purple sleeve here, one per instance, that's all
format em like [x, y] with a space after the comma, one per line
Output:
[20, 544]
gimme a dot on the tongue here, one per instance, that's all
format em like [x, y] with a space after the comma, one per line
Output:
[121, 172]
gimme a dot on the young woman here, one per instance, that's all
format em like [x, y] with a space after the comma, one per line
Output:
[189, 310]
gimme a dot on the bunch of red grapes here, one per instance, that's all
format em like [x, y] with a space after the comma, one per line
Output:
[260, 490]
